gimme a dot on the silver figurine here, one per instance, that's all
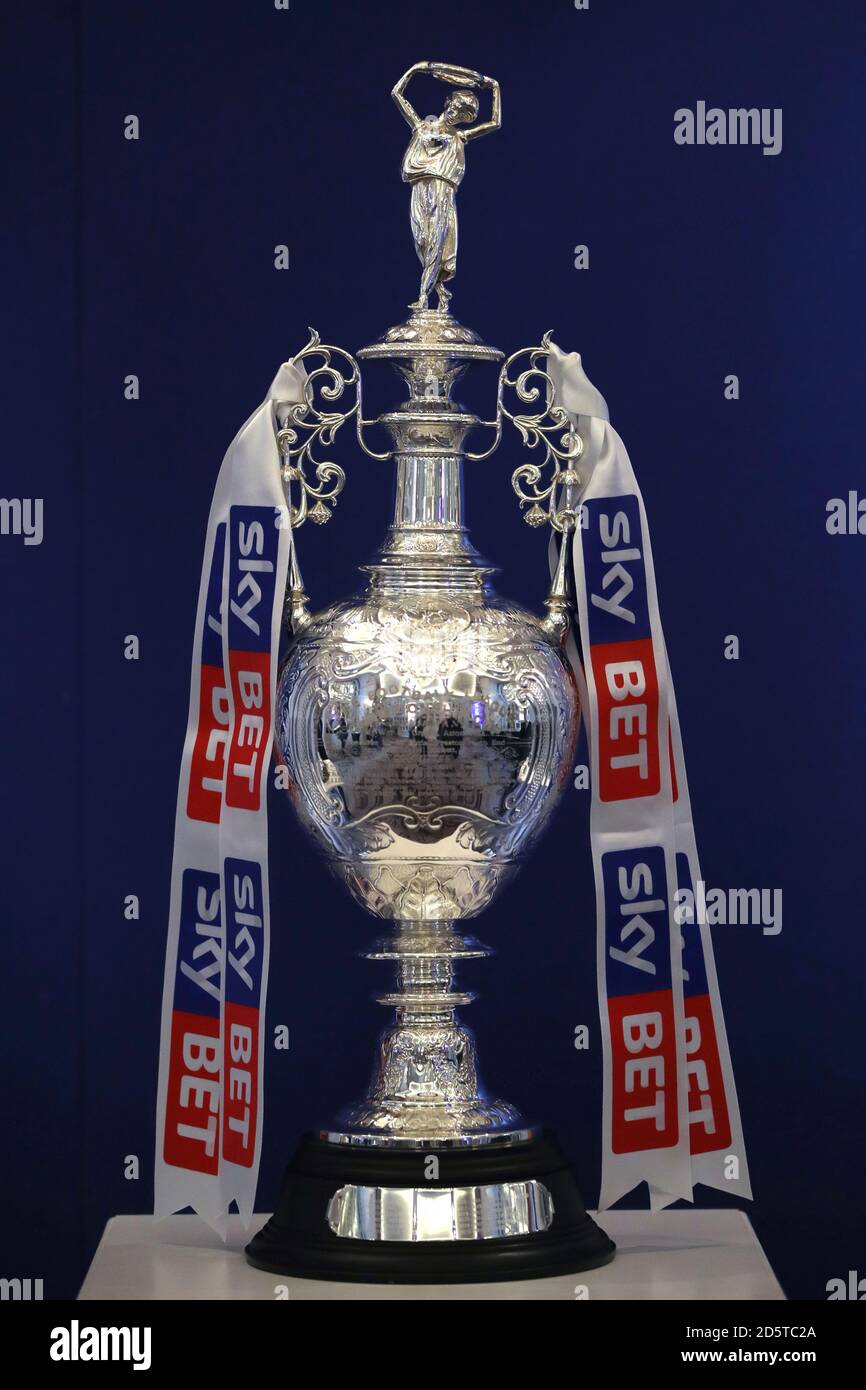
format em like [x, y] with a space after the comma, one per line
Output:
[434, 165]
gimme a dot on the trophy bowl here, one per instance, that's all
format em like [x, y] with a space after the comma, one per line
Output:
[427, 732]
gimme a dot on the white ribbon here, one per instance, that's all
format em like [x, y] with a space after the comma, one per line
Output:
[209, 1100]
[670, 1110]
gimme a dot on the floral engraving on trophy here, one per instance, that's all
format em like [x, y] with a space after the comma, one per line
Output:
[416, 728]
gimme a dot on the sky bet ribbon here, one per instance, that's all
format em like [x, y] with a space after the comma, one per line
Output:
[209, 1105]
[671, 1116]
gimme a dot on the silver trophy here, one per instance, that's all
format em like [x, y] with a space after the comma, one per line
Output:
[429, 728]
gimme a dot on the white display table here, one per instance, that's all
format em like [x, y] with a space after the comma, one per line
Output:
[666, 1255]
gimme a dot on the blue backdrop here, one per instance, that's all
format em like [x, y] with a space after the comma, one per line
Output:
[156, 257]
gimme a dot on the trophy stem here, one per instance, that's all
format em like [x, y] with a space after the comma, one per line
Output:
[425, 1089]
[426, 1180]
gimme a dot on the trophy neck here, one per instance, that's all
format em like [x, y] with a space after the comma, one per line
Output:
[429, 493]
[427, 546]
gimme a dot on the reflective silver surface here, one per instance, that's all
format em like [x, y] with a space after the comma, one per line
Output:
[434, 165]
[428, 726]
[425, 1088]
[451, 1213]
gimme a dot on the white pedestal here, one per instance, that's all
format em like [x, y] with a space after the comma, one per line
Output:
[666, 1255]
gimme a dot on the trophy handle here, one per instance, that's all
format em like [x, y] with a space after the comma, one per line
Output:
[548, 491]
[312, 484]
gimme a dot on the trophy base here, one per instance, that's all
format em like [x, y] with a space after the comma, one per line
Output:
[475, 1215]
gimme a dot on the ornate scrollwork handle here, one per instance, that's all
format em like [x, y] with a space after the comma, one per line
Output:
[548, 491]
[313, 484]
[308, 424]
[551, 496]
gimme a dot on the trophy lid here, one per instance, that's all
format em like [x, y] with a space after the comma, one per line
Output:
[430, 351]
[430, 332]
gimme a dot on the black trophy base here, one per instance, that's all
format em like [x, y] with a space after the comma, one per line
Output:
[297, 1240]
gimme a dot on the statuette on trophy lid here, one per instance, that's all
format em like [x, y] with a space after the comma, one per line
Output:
[434, 165]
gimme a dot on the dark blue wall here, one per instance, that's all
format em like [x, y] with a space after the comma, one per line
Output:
[156, 258]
